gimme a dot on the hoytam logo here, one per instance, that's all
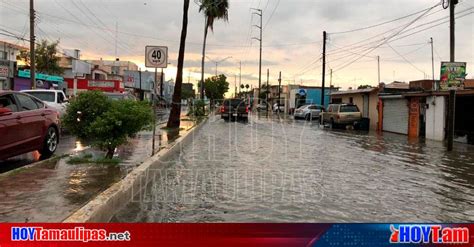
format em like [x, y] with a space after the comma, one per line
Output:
[435, 234]
[75, 234]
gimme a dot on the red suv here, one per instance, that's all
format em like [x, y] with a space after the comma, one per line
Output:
[26, 124]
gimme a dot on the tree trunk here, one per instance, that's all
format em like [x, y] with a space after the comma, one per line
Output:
[110, 153]
[203, 58]
[175, 114]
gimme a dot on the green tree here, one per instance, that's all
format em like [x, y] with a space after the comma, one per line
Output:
[174, 119]
[364, 87]
[187, 94]
[105, 123]
[47, 60]
[216, 87]
[213, 10]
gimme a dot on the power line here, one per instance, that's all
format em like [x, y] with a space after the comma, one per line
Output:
[271, 15]
[382, 23]
[406, 60]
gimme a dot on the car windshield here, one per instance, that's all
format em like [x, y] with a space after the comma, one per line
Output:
[234, 102]
[44, 96]
[349, 108]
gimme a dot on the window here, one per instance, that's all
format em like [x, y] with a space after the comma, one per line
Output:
[3, 55]
[349, 108]
[313, 107]
[44, 96]
[7, 101]
[27, 103]
[330, 108]
[351, 100]
[60, 98]
[115, 70]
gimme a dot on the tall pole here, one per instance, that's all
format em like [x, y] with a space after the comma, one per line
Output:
[240, 75]
[324, 67]
[260, 13]
[161, 82]
[260, 62]
[32, 46]
[432, 61]
[279, 93]
[235, 86]
[216, 69]
[378, 69]
[268, 89]
[452, 93]
[154, 111]
[330, 79]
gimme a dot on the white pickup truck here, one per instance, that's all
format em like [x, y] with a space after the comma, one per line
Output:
[53, 98]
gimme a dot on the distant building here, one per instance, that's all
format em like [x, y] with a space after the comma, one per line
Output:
[8, 63]
[366, 99]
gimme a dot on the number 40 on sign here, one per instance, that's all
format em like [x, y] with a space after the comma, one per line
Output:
[156, 56]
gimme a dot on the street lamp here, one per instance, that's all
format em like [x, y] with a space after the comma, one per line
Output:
[219, 61]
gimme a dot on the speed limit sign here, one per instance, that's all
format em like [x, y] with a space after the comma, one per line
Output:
[156, 56]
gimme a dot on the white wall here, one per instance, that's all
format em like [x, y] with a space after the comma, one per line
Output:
[435, 118]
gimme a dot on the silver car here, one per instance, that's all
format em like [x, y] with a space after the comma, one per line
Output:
[309, 112]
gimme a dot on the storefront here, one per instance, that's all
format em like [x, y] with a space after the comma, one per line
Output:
[395, 113]
[7, 69]
[43, 81]
[111, 86]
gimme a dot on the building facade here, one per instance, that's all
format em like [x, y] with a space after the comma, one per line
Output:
[366, 100]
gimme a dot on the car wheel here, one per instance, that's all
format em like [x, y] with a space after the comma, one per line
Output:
[307, 117]
[50, 143]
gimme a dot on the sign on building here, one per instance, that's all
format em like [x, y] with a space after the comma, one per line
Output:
[452, 75]
[156, 56]
[4, 71]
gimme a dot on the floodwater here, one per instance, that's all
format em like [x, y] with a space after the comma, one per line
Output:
[269, 170]
[51, 191]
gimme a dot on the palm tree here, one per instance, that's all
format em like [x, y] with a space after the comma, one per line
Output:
[213, 9]
[175, 114]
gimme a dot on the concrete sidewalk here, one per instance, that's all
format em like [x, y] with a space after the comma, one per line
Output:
[51, 190]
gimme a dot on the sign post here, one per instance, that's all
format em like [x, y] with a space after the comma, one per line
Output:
[156, 57]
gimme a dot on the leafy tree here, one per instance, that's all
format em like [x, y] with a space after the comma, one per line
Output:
[175, 114]
[216, 87]
[47, 60]
[106, 123]
[124, 119]
[364, 87]
[187, 94]
[83, 111]
[213, 10]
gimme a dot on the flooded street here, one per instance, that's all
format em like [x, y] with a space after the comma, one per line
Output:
[296, 171]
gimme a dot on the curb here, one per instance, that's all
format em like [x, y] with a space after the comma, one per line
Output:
[104, 206]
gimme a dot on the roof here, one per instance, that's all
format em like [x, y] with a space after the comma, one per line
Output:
[398, 85]
[10, 45]
[357, 91]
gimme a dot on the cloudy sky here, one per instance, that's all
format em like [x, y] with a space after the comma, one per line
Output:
[396, 30]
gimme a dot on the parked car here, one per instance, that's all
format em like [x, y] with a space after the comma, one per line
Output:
[53, 98]
[27, 124]
[121, 96]
[262, 107]
[309, 112]
[234, 109]
[341, 115]
[278, 107]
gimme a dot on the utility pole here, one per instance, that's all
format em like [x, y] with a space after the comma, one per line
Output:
[235, 86]
[378, 68]
[259, 13]
[268, 89]
[240, 75]
[161, 82]
[330, 79]
[324, 67]
[432, 61]
[279, 93]
[452, 92]
[32, 46]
